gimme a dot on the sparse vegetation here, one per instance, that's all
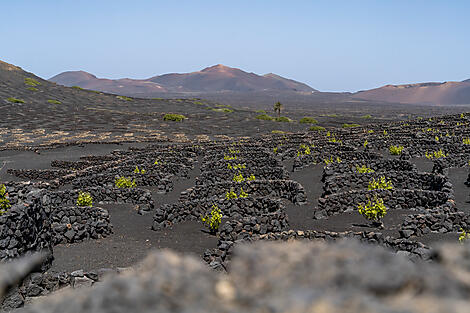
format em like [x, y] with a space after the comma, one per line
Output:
[373, 210]
[124, 98]
[435, 154]
[364, 169]
[283, 119]
[32, 89]
[124, 182]
[31, 82]
[4, 201]
[317, 128]
[54, 101]
[464, 235]
[84, 199]
[173, 117]
[380, 183]
[261, 111]
[213, 220]
[15, 100]
[350, 125]
[308, 120]
[395, 150]
[264, 117]
[367, 116]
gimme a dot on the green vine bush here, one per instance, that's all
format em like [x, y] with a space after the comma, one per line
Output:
[364, 169]
[373, 210]
[173, 117]
[213, 220]
[84, 199]
[308, 120]
[395, 150]
[124, 182]
[380, 183]
[4, 202]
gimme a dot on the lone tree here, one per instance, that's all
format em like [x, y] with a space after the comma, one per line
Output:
[277, 108]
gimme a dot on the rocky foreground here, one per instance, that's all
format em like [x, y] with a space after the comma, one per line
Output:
[342, 276]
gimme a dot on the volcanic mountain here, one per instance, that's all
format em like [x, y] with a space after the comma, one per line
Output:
[214, 79]
[422, 93]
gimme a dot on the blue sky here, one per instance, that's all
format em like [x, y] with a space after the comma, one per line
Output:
[330, 45]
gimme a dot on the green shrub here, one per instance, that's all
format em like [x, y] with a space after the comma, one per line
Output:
[140, 171]
[283, 119]
[251, 178]
[264, 117]
[213, 220]
[395, 150]
[261, 111]
[31, 82]
[277, 132]
[32, 88]
[380, 183]
[84, 199]
[173, 117]
[317, 128]
[435, 154]
[238, 178]
[464, 235]
[77, 87]
[373, 210]
[14, 100]
[124, 98]
[466, 141]
[350, 125]
[4, 202]
[124, 182]
[364, 169]
[54, 101]
[366, 116]
[308, 120]
[231, 194]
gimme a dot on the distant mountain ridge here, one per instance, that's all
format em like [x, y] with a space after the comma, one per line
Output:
[214, 79]
[437, 93]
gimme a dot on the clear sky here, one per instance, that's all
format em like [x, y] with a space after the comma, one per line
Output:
[331, 45]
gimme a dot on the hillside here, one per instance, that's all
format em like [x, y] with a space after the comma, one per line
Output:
[214, 79]
[446, 93]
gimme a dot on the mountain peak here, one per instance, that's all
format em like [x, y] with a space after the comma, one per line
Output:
[466, 81]
[218, 68]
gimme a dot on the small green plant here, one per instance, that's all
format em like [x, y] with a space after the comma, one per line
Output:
[139, 171]
[233, 151]
[31, 82]
[277, 132]
[435, 154]
[350, 125]
[230, 157]
[304, 150]
[385, 132]
[464, 235]
[367, 116]
[364, 169]
[213, 220]
[308, 120]
[32, 88]
[156, 162]
[331, 160]
[334, 140]
[365, 144]
[238, 178]
[84, 199]
[251, 177]
[54, 101]
[317, 128]
[466, 141]
[264, 117]
[231, 194]
[15, 100]
[283, 119]
[373, 210]
[77, 87]
[370, 131]
[124, 182]
[380, 183]
[124, 98]
[4, 202]
[243, 193]
[173, 117]
[395, 150]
